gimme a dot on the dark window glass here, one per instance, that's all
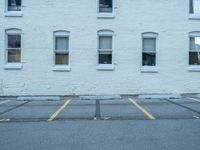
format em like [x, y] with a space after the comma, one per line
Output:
[105, 58]
[14, 56]
[191, 7]
[14, 41]
[62, 59]
[149, 59]
[14, 5]
[105, 5]
[194, 58]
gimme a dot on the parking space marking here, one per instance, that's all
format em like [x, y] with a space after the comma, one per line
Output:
[150, 116]
[14, 108]
[3, 102]
[52, 117]
[183, 106]
[194, 99]
[4, 120]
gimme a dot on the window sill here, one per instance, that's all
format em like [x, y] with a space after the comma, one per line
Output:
[194, 16]
[13, 14]
[106, 15]
[61, 68]
[194, 68]
[105, 67]
[13, 66]
[149, 69]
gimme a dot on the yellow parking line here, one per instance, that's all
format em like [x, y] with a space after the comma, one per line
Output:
[3, 102]
[150, 116]
[194, 99]
[52, 117]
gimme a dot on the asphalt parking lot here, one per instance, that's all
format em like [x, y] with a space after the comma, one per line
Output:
[124, 123]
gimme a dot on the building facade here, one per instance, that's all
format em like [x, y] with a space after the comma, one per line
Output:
[79, 47]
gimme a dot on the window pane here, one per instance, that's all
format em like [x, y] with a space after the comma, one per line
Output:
[194, 58]
[14, 41]
[195, 43]
[14, 5]
[62, 59]
[62, 43]
[105, 58]
[196, 6]
[14, 56]
[149, 59]
[105, 42]
[105, 5]
[149, 44]
[191, 7]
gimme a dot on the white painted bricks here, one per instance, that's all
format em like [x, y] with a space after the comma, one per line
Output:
[168, 18]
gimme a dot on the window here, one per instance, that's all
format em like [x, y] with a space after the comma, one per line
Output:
[194, 52]
[105, 49]
[13, 8]
[105, 9]
[105, 6]
[13, 49]
[14, 5]
[149, 51]
[195, 9]
[61, 50]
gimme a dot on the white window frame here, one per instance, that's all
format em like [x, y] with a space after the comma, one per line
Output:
[150, 69]
[192, 15]
[61, 33]
[107, 15]
[7, 65]
[193, 68]
[108, 33]
[8, 13]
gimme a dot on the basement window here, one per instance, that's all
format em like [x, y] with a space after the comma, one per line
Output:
[105, 50]
[194, 9]
[149, 58]
[13, 8]
[61, 51]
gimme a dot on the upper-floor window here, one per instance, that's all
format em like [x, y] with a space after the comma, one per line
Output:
[61, 50]
[149, 58]
[194, 51]
[13, 8]
[105, 9]
[105, 49]
[14, 5]
[13, 49]
[105, 6]
[195, 9]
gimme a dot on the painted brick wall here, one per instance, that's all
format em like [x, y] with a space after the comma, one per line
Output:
[168, 18]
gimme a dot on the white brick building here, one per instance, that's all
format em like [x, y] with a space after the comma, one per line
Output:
[92, 47]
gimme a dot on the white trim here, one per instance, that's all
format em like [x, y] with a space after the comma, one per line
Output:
[105, 32]
[194, 68]
[61, 33]
[105, 67]
[62, 68]
[149, 35]
[13, 66]
[13, 31]
[194, 34]
[150, 69]
[13, 14]
[194, 16]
